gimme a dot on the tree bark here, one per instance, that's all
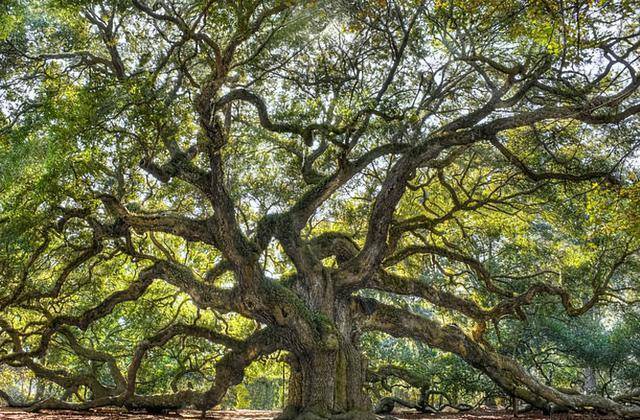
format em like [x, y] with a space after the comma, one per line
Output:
[327, 378]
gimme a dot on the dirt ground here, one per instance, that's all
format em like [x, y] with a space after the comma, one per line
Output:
[116, 414]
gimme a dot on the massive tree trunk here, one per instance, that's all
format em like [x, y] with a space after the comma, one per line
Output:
[328, 369]
[327, 382]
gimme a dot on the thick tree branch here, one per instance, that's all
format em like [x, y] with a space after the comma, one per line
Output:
[504, 371]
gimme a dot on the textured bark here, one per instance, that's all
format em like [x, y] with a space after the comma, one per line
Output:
[327, 378]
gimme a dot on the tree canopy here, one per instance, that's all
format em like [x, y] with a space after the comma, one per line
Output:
[352, 194]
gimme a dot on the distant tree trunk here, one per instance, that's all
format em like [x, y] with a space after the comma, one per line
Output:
[590, 382]
[39, 390]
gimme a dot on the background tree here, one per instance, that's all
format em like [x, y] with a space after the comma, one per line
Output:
[190, 186]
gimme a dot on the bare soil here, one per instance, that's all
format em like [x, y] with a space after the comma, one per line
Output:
[117, 414]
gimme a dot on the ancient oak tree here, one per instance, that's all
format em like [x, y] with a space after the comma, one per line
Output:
[314, 172]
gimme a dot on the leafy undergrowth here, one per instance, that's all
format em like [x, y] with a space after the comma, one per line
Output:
[115, 414]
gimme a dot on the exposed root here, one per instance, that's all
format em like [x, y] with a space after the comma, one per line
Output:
[387, 404]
